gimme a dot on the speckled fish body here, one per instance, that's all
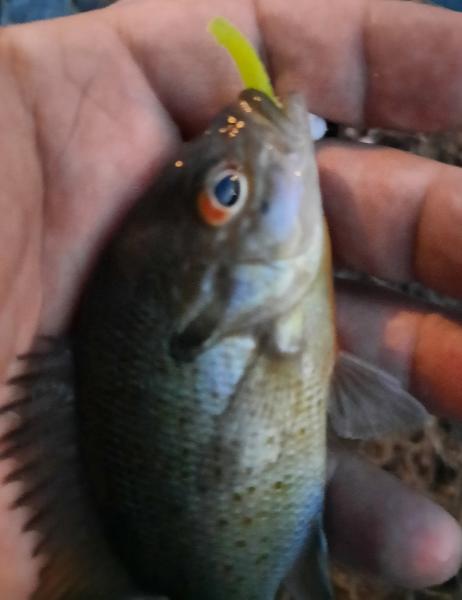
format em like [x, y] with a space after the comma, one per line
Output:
[204, 355]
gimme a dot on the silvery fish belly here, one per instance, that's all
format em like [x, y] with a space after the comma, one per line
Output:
[203, 360]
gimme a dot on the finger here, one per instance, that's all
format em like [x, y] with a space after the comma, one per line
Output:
[393, 214]
[93, 133]
[420, 347]
[376, 524]
[339, 53]
[343, 54]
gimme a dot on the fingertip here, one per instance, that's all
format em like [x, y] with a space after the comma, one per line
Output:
[379, 526]
[434, 552]
[436, 365]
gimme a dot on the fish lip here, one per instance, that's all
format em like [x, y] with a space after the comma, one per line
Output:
[290, 120]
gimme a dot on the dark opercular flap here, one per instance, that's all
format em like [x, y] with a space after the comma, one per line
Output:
[199, 333]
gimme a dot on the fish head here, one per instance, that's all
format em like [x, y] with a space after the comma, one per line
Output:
[232, 233]
[264, 155]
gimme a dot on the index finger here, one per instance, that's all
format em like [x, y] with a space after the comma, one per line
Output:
[380, 62]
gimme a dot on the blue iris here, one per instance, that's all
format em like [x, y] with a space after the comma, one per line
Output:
[227, 190]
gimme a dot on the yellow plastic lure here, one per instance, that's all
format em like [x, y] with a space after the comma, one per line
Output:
[244, 55]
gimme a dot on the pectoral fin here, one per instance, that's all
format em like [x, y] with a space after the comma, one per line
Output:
[309, 578]
[366, 402]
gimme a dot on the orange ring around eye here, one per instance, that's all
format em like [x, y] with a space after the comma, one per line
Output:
[210, 212]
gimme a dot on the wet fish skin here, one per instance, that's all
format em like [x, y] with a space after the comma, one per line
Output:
[203, 360]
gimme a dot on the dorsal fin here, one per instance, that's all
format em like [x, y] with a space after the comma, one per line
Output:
[43, 443]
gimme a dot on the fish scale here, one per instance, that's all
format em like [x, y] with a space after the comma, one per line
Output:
[242, 467]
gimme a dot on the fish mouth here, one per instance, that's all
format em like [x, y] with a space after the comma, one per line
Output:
[290, 120]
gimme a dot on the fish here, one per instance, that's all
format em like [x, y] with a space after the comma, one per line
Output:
[208, 298]
[175, 446]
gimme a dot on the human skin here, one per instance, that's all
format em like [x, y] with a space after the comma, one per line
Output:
[91, 107]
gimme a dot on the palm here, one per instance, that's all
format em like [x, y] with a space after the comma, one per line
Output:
[91, 108]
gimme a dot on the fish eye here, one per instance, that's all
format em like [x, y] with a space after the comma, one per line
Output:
[227, 190]
[224, 195]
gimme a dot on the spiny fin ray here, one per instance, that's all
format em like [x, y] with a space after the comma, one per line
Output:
[43, 444]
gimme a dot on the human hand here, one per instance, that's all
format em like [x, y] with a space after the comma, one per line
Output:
[91, 107]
